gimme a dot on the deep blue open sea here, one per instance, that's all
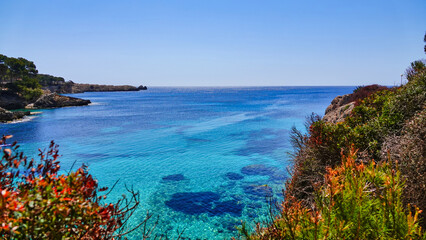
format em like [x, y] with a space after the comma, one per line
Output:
[203, 159]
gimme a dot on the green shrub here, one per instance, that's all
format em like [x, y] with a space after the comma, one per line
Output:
[381, 115]
[28, 88]
[357, 201]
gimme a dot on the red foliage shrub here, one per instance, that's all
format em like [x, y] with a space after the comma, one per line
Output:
[363, 92]
[37, 202]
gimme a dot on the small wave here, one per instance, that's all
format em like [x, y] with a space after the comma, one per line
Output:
[25, 119]
[96, 103]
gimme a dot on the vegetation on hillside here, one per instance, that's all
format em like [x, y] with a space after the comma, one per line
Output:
[20, 75]
[356, 201]
[378, 191]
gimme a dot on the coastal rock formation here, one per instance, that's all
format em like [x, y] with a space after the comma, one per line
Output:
[342, 106]
[71, 87]
[339, 109]
[234, 176]
[10, 100]
[7, 116]
[53, 100]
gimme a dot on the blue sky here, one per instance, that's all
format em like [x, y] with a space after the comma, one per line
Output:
[216, 42]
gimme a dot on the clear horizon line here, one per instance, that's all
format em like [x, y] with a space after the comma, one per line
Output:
[250, 86]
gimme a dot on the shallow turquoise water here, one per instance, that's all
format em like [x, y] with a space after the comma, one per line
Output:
[203, 159]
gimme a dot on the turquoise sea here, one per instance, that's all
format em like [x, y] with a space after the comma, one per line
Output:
[203, 159]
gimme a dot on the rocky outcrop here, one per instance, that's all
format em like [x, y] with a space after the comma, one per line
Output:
[71, 87]
[342, 106]
[10, 100]
[53, 100]
[339, 109]
[8, 116]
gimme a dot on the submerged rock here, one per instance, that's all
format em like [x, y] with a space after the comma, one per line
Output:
[278, 177]
[254, 205]
[234, 176]
[174, 177]
[232, 207]
[192, 203]
[258, 190]
[231, 225]
[258, 169]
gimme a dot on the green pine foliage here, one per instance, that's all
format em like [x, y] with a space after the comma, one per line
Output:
[29, 88]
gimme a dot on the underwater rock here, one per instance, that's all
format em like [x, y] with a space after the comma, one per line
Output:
[252, 214]
[237, 197]
[278, 177]
[254, 205]
[192, 203]
[234, 176]
[174, 177]
[231, 225]
[232, 207]
[258, 190]
[258, 169]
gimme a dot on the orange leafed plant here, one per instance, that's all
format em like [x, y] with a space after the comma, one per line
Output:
[357, 201]
[37, 202]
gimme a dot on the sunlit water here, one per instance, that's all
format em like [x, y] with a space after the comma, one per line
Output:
[203, 159]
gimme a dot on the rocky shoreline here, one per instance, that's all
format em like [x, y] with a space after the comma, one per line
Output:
[51, 98]
[9, 116]
[12, 101]
[23, 87]
[71, 87]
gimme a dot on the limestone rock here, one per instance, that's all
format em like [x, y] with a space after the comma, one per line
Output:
[342, 106]
[339, 109]
[54, 100]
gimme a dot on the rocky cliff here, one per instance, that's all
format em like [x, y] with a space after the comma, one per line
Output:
[342, 106]
[10, 100]
[339, 109]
